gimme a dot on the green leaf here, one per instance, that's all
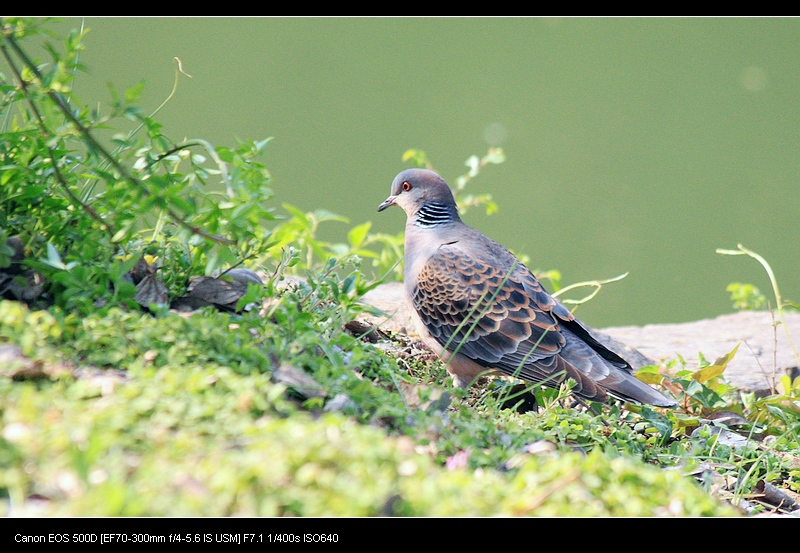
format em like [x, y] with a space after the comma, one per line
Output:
[660, 422]
[253, 294]
[348, 283]
[53, 257]
[261, 144]
[133, 93]
[495, 155]
[650, 375]
[298, 215]
[326, 215]
[358, 233]
[417, 157]
[708, 398]
[717, 368]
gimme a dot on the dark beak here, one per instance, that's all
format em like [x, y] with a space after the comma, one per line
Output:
[388, 202]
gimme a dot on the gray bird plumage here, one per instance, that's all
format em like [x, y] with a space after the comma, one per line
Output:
[481, 310]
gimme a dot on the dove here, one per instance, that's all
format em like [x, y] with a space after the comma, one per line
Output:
[482, 311]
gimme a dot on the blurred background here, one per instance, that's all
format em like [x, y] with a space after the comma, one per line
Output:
[633, 145]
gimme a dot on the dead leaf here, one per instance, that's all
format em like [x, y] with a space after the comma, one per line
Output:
[14, 364]
[222, 292]
[340, 402]
[297, 380]
[151, 290]
[729, 418]
[140, 270]
[775, 497]
[424, 397]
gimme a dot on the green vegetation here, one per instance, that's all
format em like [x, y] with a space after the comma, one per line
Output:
[268, 400]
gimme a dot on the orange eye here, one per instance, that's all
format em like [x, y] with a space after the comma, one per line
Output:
[406, 186]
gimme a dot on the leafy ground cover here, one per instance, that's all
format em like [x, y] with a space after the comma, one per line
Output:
[173, 342]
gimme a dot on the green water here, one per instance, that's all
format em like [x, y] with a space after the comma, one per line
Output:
[634, 145]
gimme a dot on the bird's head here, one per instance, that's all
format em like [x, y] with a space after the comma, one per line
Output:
[414, 188]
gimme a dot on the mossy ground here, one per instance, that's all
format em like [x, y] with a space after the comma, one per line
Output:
[177, 416]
